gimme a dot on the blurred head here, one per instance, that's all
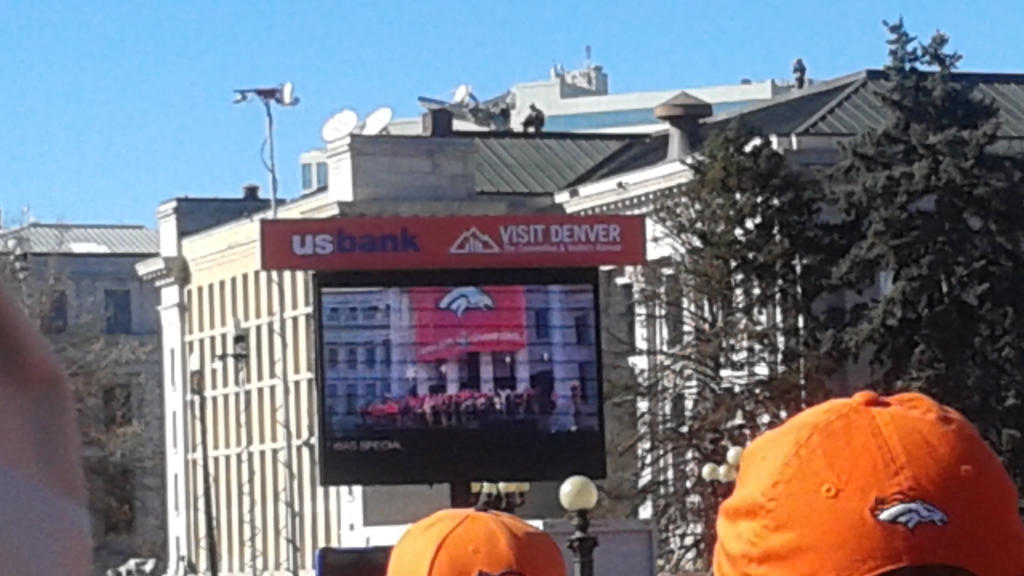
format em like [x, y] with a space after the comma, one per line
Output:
[471, 542]
[44, 518]
[870, 485]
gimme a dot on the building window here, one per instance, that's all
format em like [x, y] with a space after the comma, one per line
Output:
[119, 311]
[582, 326]
[630, 314]
[333, 315]
[542, 323]
[351, 398]
[386, 360]
[352, 359]
[56, 322]
[588, 379]
[678, 407]
[885, 282]
[307, 176]
[469, 371]
[504, 371]
[117, 406]
[119, 510]
[352, 315]
[371, 357]
[321, 174]
[332, 357]
[674, 311]
[371, 314]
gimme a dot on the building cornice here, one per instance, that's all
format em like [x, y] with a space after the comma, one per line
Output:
[628, 191]
[162, 270]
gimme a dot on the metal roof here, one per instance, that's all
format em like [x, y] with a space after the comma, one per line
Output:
[841, 107]
[81, 239]
[858, 109]
[538, 164]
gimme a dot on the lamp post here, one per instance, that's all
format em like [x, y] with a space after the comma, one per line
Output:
[726, 472]
[239, 352]
[283, 95]
[578, 495]
[503, 496]
[196, 383]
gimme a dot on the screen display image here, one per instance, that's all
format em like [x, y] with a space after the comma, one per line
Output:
[460, 380]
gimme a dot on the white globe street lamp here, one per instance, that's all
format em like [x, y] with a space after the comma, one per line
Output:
[578, 495]
[726, 472]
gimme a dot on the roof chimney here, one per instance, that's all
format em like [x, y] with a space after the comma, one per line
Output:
[251, 192]
[683, 113]
[437, 122]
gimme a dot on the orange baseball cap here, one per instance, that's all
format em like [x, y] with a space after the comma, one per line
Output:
[473, 542]
[864, 485]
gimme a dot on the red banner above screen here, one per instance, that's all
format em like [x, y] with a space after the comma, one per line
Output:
[418, 243]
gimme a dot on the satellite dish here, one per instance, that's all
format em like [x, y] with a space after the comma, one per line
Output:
[377, 121]
[463, 94]
[340, 125]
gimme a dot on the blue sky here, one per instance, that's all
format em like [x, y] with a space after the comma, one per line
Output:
[112, 107]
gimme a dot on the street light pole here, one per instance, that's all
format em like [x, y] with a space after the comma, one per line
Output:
[284, 96]
[198, 389]
[271, 160]
[578, 495]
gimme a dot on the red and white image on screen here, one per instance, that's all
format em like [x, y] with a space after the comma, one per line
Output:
[460, 357]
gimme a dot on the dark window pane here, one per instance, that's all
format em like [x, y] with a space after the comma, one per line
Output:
[56, 321]
[118, 311]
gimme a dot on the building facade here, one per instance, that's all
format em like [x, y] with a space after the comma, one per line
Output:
[80, 282]
[212, 290]
[805, 125]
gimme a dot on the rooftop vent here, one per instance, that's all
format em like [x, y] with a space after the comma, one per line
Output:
[683, 113]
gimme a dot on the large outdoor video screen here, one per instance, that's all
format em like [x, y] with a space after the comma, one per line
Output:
[454, 376]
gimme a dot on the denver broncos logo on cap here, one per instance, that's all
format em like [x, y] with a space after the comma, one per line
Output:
[908, 513]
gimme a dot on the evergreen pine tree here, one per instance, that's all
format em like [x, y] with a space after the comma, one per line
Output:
[730, 360]
[932, 201]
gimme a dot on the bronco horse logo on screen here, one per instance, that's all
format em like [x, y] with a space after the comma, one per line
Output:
[460, 300]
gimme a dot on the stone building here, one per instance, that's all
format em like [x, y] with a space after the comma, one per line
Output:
[80, 282]
[805, 125]
[211, 289]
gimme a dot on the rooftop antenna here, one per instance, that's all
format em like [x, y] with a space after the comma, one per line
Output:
[339, 126]
[377, 121]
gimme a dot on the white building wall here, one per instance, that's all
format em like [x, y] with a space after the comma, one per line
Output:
[177, 437]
